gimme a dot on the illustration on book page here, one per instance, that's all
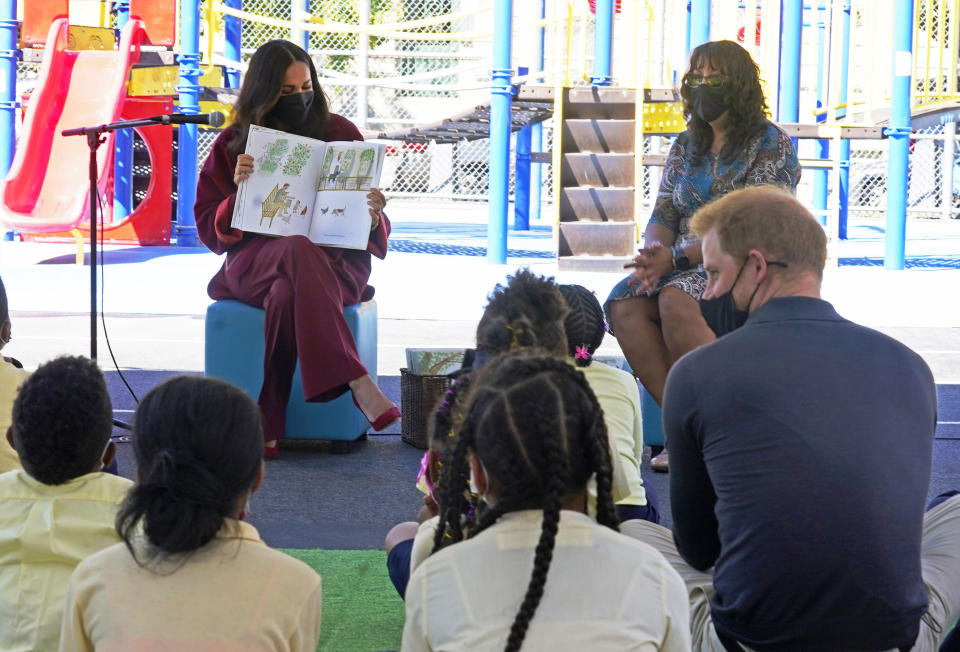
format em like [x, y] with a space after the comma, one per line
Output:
[347, 167]
[277, 198]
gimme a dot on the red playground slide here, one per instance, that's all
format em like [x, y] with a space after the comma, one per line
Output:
[47, 187]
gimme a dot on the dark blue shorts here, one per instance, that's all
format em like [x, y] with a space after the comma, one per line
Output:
[398, 565]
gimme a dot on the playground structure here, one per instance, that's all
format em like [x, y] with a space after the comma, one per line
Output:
[826, 71]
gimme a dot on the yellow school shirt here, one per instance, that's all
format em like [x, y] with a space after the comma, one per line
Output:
[234, 593]
[619, 397]
[10, 380]
[45, 531]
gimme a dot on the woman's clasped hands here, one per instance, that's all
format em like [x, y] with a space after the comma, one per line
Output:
[649, 265]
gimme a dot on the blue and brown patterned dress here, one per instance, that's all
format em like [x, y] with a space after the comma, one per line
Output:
[768, 159]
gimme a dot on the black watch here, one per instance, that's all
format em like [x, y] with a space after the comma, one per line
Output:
[680, 259]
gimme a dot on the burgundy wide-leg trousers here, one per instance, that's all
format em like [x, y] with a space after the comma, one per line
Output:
[303, 292]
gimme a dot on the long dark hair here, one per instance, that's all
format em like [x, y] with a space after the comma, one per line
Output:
[199, 447]
[747, 107]
[585, 325]
[537, 427]
[261, 88]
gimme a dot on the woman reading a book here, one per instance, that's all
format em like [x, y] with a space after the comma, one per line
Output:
[302, 287]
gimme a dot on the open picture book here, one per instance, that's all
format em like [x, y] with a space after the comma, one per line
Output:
[303, 186]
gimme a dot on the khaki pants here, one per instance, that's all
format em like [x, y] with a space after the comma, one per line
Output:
[940, 559]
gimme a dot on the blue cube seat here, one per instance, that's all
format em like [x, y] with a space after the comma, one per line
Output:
[234, 352]
[650, 411]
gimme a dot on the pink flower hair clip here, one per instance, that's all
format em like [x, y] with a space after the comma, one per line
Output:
[582, 353]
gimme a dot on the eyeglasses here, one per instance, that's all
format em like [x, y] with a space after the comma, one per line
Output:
[692, 80]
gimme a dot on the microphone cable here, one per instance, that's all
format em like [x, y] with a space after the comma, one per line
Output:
[103, 322]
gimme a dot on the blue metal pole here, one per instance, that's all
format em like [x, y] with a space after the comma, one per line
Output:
[521, 180]
[823, 148]
[791, 28]
[844, 189]
[231, 49]
[521, 174]
[189, 92]
[602, 43]
[699, 23]
[536, 140]
[304, 34]
[501, 97]
[122, 146]
[899, 135]
[9, 30]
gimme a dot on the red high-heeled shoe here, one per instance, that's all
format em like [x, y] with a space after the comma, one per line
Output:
[386, 418]
[270, 452]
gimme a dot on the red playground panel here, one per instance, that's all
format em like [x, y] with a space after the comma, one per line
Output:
[38, 15]
[46, 188]
[159, 19]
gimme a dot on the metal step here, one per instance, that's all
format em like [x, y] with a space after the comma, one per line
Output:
[612, 264]
[603, 170]
[601, 103]
[597, 205]
[599, 136]
[596, 239]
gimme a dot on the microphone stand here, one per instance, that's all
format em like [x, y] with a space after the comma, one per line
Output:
[95, 138]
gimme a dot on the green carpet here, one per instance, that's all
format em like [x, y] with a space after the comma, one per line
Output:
[361, 610]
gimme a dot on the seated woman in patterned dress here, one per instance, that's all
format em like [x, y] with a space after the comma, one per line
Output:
[656, 313]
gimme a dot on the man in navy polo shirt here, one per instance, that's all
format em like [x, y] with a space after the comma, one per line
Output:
[790, 527]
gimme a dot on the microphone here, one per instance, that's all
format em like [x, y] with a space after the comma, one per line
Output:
[214, 119]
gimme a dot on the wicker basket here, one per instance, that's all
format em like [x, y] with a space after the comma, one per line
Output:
[419, 396]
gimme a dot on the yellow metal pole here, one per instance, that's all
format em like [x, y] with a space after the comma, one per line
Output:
[80, 242]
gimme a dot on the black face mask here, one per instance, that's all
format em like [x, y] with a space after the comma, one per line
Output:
[293, 110]
[722, 314]
[708, 102]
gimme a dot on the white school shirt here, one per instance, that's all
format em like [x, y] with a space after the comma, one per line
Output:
[603, 592]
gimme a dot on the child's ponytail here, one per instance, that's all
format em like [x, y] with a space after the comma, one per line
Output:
[198, 445]
[584, 324]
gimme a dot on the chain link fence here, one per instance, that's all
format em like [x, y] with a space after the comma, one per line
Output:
[933, 180]
[397, 79]
[386, 83]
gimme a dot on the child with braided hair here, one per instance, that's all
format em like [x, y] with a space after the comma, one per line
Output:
[532, 435]
[619, 397]
[409, 543]
[526, 312]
